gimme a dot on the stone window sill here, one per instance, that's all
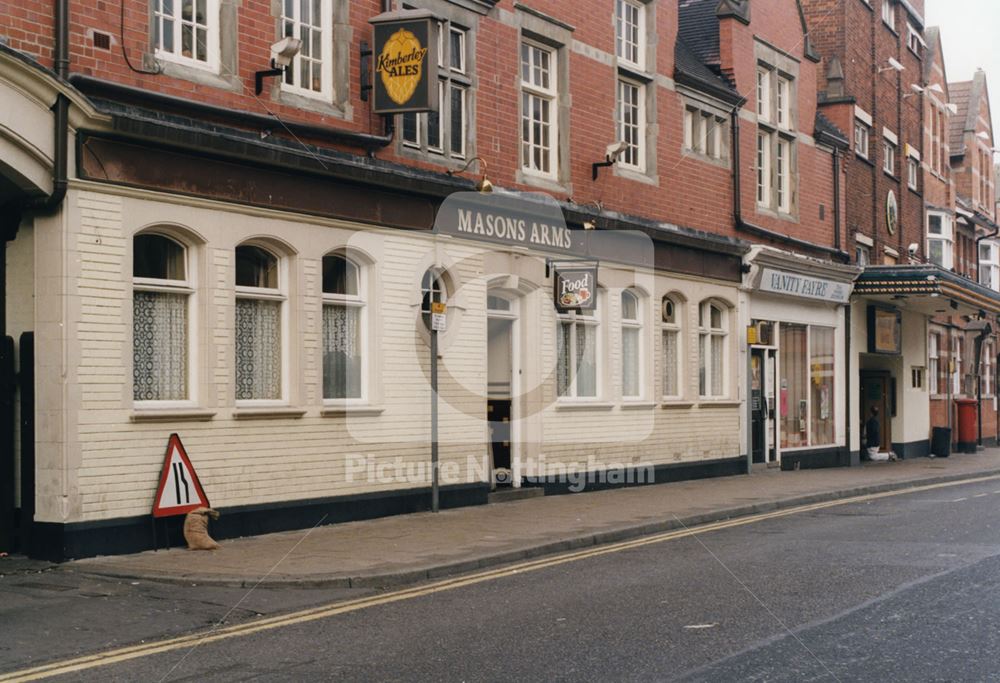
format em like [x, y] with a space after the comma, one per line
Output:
[172, 415]
[359, 410]
[584, 405]
[274, 413]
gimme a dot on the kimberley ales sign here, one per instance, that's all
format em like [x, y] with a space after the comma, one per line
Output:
[405, 62]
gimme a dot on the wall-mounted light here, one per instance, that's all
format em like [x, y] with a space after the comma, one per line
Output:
[952, 108]
[483, 185]
[284, 52]
[935, 88]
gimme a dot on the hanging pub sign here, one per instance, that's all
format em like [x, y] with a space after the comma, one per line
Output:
[574, 286]
[405, 62]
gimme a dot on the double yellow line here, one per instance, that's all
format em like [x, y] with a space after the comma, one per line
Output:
[110, 657]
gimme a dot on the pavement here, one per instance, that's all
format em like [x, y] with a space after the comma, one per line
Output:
[405, 549]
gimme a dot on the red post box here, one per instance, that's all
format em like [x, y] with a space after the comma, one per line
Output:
[967, 420]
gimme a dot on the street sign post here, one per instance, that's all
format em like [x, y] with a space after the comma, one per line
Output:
[439, 316]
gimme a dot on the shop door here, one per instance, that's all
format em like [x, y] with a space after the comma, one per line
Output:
[876, 389]
[500, 383]
[762, 406]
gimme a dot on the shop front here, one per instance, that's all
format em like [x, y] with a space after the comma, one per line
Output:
[905, 362]
[796, 337]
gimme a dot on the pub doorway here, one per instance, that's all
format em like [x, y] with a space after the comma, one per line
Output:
[878, 387]
[501, 310]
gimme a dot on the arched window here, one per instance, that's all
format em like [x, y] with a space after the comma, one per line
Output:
[631, 344]
[432, 290]
[343, 328]
[671, 336]
[712, 336]
[577, 362]
[259, 301]
[161, 301]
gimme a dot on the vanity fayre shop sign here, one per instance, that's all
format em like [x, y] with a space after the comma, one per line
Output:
[404, 61]
[805, 286]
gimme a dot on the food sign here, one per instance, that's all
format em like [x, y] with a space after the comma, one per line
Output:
[405, 62]
[575, 287]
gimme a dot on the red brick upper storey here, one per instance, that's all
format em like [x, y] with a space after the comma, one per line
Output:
[670, 174]
[971, 145]
[872, 61]
[939, 191]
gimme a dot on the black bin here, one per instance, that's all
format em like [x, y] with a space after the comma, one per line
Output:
[941, 441]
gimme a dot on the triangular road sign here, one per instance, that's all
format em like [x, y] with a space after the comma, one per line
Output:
[179, 491]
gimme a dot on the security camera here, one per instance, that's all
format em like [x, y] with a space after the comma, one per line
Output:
[896, 65]
[913, 248]
[916, 88]
[285, 50]
[614, 150]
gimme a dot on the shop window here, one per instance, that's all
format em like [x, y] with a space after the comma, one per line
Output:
[807, 385]
[631, 340]
[161, 304]
[187, 31]
[671, 339]
[933, 363]
[344, 312]
[987, 373]
[259, 324]
[578, 354]
[712, 337]
[311, 70]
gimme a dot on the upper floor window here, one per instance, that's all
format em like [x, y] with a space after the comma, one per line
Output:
[712, 337]
[632, 354]
[989, 265]
[912, 172]
[445, 133]
[311, 70]
[913, 39]
[187, 30]
[259, 325]
[670, 332]
[889, 156]
[939, 240]
[539, 109]
[632, 123]
[775, 140]
[630, 32]
[161, 300]
[862, 133]
[577, 341]
[344, 338]
[889, 14]
[705, 132]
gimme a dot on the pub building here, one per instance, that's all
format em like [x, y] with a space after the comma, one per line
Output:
[277, 323]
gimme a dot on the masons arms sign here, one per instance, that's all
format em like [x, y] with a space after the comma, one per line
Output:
[405, 60]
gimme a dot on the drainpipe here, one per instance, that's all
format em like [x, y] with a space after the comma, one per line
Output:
[836, 198]
[744, 226]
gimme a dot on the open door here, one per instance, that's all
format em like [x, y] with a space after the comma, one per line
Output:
[877, 388]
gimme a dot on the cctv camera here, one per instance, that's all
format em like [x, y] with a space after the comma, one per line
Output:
[916, 88]
[285, 50]
[913, 248]
[896, 65]
[615, 149]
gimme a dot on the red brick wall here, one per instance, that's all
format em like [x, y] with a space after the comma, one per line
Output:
[690, 192]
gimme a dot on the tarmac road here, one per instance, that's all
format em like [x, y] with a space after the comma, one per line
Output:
[901, 587]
